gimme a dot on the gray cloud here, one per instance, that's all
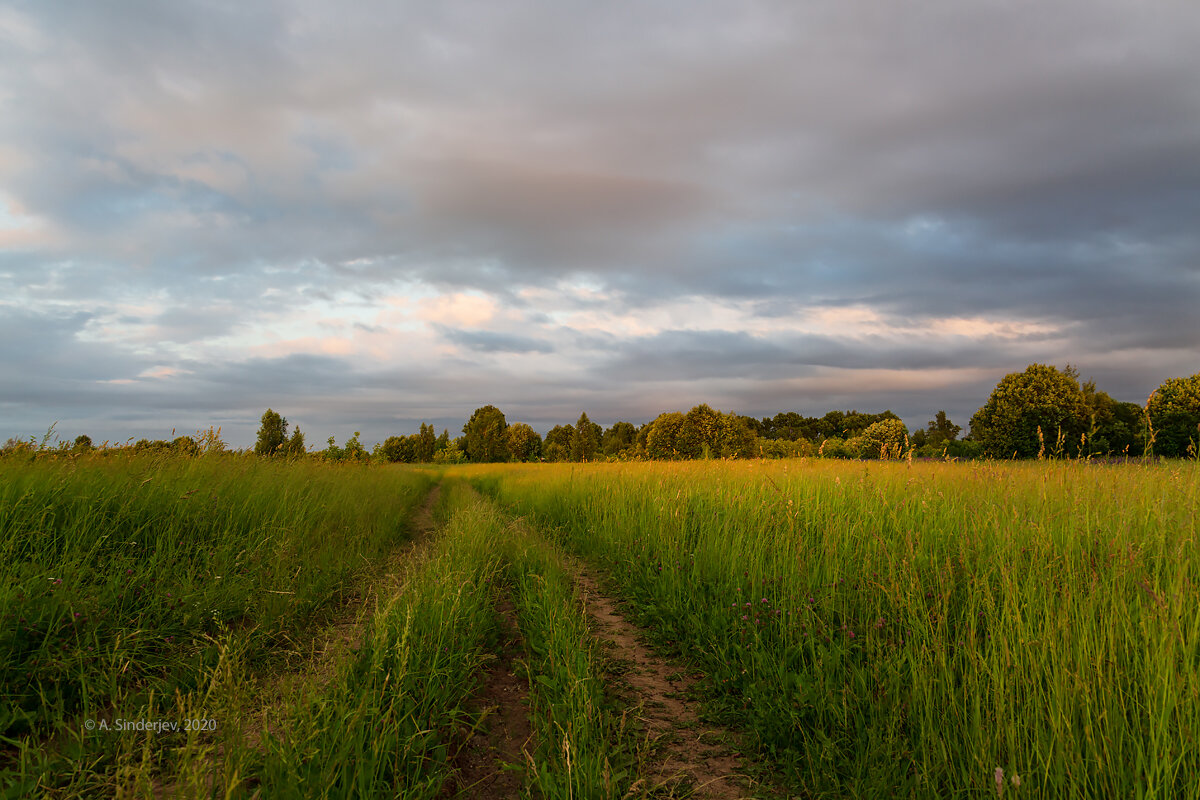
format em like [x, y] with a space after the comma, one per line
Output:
[491, 342]
[197, 173]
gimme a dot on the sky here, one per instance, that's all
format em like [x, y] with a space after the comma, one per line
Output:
[368, 215]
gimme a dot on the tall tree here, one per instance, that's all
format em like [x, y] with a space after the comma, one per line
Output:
[295, 444]
[938, 433]
[662, 435]
[1174, 413]
[524, 443]
[1042, 397]
[557, 446]
[485, 435]
[585, 440]
[425, 444]
[272, 435]
[620, 438]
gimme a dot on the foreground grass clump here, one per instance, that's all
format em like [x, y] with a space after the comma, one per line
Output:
[891, 629]
[387, 725]
[130, 585]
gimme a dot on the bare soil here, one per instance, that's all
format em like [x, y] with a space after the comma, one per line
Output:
[686, 757]
[490, 763]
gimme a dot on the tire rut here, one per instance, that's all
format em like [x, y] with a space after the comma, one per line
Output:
[688, 758]
[490, 763]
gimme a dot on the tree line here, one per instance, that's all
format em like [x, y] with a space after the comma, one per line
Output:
[1041, 412]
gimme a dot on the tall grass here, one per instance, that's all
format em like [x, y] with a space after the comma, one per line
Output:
[129, 585]
[895, 629]
[387, 726]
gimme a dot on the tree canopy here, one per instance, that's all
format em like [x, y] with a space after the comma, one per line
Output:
[1174, 413]
[485, 432]
[1042, 398]
[272, 436]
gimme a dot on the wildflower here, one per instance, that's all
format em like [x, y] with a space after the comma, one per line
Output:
[1015, 780]
[999, 775]
[128, 572]
[764, 599]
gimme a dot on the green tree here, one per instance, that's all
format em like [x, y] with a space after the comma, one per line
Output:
[662, 435]
[332, 452]
[883, 439]
[1174, 413]
[442, 442]
[272, 435]
[295, 444]
[1042, 397]
[450, 454]
[585, 440]
[937, 434]
[485, 433]
[354, 450]
[1127, 432]
[619, 439]
[557, 446]
[83, 443]
[397, 449]
[700, 431]
[185, 446]
[425, 444]
[524, 443]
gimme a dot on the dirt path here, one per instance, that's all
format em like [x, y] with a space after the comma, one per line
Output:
[489, 765]
[688, 758]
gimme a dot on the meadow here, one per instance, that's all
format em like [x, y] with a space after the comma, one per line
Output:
[867, 629]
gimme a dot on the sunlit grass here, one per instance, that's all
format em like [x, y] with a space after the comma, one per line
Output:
[895, 628]
[130, 586]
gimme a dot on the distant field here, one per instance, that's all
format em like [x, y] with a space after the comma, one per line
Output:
[871, 629]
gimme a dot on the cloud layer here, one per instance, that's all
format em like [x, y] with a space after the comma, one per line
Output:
[371, 215]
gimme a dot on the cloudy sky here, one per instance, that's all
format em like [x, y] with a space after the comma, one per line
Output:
[365, 215]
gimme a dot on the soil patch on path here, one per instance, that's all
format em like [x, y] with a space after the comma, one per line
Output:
[687, 757]
[490, 763]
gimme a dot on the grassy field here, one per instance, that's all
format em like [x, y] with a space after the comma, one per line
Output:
[872, 629]
[142, 589]
[893, 629]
